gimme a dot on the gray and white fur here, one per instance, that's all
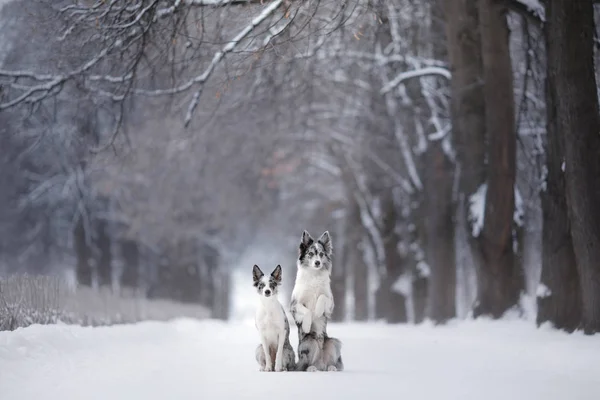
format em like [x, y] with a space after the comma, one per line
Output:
[275, 352]
[312, 304]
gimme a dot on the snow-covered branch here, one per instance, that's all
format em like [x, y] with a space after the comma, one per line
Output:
[400, 78]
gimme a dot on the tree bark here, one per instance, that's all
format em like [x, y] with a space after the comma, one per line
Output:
[439, 225]
[83, 254]
[394, 303]
[500, 280]
[560, 304]
[356, 262]
[571, 72]
[104, 255]
[467, 103]
[131, 263]
[338, 282]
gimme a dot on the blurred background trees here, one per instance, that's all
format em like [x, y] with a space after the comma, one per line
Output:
[449, 147]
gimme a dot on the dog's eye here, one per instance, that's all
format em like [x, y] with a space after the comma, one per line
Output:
[320, 254]
[311, 254]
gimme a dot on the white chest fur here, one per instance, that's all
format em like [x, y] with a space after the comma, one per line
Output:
[309, 286]
[270, 319]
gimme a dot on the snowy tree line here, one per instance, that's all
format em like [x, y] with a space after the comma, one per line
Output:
[450, 147]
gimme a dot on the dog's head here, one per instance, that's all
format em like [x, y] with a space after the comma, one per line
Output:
[315, 255]
[267, 286]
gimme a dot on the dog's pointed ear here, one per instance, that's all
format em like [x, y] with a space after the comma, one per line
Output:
[306, 241]
[276, 274]
[325, 240]
[256, 273]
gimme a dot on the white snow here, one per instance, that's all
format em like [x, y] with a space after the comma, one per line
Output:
[519, 213]
[477, 209]
[423, 269]
[403, 285]
[189, 359]
[543, 290]
[535, 7]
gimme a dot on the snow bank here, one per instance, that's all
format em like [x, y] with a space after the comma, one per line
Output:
[35, 299]
[187, 359]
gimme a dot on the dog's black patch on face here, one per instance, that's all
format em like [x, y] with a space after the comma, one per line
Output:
[273, 284]
[260, 285]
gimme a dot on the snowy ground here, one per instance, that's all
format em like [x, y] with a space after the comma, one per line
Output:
[188, 359]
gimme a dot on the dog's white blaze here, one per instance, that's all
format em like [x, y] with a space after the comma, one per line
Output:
[265, 281]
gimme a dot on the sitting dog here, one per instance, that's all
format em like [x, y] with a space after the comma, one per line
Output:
[312, 304]
[274, 351]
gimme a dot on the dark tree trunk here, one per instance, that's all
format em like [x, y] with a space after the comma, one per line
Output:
[438, 209]
[104, 254]
[83, 254]
[395, 303]
[420, 293]
[131, 263]
[561, 303]
[571, 71]
[439, 226]
[356, 263]
[500, 280]
[208, 275]
[338, 283]
[467, 102]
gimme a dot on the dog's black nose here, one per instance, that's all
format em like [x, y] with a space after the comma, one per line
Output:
[268, 292]
[317, 263]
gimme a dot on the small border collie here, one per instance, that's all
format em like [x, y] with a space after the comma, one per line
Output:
[274, 353]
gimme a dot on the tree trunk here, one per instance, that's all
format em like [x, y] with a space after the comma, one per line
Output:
[439, 226]
[467, 103]
[354, 235]
[208, 265]
[338, 283]
[500, 280]
[131, 263]
[395, 303]
[571, 72]
[102, 244]
[560, 300]
[438, 209]
[83, 253]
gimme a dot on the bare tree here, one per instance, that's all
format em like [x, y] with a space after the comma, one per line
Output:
[572, 84]
[500, 281]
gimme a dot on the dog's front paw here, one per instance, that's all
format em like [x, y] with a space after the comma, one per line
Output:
[278, 368]
[332, 368]
[320, 306]
[268, 369]
[312, 368]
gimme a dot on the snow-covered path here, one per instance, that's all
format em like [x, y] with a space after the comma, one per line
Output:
[204, 360]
